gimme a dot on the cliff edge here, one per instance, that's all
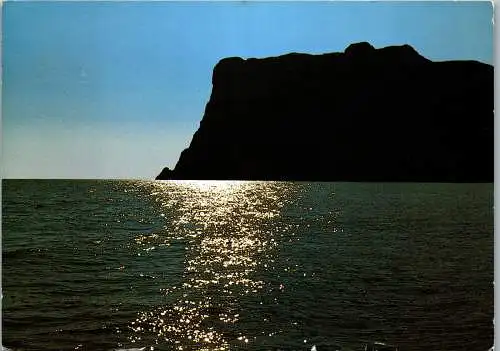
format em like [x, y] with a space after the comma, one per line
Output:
[365, 114]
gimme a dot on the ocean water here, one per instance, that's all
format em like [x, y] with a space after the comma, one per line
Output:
[108, 265]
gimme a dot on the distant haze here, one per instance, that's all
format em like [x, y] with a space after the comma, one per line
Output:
[117, 89]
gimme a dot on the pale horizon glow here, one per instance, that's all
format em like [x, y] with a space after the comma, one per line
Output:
[117, 89]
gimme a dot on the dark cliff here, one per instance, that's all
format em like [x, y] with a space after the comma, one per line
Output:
[363, 115]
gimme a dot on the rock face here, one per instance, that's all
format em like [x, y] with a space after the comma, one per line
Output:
[363, 115]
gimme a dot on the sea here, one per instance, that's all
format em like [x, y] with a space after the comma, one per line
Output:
[190, 265]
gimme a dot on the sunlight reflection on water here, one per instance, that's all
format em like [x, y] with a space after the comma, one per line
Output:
[142, 265]
[228, 232]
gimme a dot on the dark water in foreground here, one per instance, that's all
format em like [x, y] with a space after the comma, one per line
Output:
[103, 265]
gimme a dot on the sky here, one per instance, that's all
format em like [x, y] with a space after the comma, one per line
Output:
[117, 89]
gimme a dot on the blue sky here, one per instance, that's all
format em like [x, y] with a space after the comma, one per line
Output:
[117, 89]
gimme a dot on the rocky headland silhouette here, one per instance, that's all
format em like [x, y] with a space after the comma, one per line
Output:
[366, 114]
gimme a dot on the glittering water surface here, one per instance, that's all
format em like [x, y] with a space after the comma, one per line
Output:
[103, 265]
